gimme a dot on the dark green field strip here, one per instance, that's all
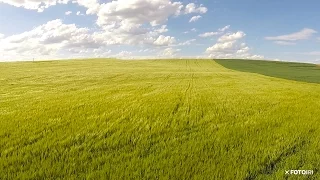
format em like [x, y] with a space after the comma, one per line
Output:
[286, 70]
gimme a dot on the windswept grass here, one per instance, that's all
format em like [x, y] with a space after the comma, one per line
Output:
[293, 71]
[173, 119]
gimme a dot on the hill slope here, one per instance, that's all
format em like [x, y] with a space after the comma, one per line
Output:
[173, 119]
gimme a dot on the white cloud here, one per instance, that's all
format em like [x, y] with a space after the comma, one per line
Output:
[229, 46]
[221, 47]
[224, 28]
[195, 18]
[127, 22]
[285, 43]
[210, 34]
[231, 36]
[192, 8]
[124, 54]
[120, 22]
[243, 49]
[169, 52]
[137, 12]
[164, 40]
[254, 57]
[38, 5]
[68, 13]
[88, 53]
[146, 50]
[116, 6]
[50, 40]
[187, 43]
[163, 29]
[301, 35]
[135, 35]
[79, 13]
[1, 36]
[91, 5]
[101, 52]
[133, 22]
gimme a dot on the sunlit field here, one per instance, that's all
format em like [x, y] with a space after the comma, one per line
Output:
[158, 119]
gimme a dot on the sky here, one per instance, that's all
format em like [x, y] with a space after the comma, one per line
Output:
[286, 30]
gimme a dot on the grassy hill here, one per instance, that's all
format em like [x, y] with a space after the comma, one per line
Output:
[170, 119]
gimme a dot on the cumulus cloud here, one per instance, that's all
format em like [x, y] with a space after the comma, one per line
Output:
[163, 29]
[137, 12]
[125, 22]
[91, 5]
[56, 38]
[169, 52]
[229, 45]
[51, 38]
[305, 33]
[119, 22]
[135, 21]
[164, 40]
[231, 36]
[195, 18]
[221, 47]
[192, 8]
[38, 5]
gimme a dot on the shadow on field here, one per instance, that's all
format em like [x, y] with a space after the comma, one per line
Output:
[292, 71]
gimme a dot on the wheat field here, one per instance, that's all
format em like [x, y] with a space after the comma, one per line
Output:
[157, 119]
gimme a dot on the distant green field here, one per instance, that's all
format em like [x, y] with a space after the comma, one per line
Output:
[287, 70]
[158, 119]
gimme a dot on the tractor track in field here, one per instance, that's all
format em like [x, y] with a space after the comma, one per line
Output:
[205, 83]
[189, 89]
[272, 166]
[185, 98]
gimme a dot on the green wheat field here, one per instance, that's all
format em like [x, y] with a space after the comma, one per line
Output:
[159, 119]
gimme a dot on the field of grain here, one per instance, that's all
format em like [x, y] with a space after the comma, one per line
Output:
[157, 119]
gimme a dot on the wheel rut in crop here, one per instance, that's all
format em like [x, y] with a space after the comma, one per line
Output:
[189, 89]
[272, 166]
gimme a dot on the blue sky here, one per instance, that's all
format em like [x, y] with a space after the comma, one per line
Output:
[61, 29]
